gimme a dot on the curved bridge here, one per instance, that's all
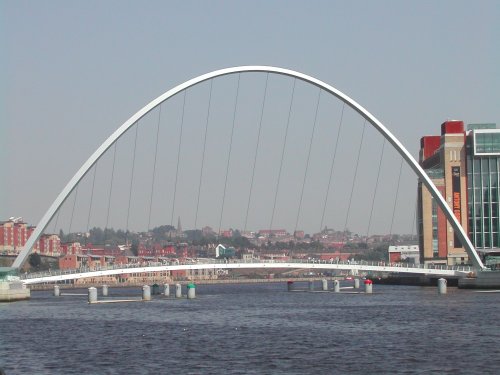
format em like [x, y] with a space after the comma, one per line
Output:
[456, 271]
[474, 257]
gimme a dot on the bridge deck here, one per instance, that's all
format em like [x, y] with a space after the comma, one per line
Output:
[444, 271]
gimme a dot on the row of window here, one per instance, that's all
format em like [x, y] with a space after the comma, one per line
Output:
[435, 244]
[487, 142]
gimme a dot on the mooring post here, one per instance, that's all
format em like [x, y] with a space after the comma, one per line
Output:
[336, 286]
[324, 284]
[57, 292]
[356, 283]
[166, 290]
[92, 294]
[191, 291]
[368, 286]
[146, 293]
[289, 285]
[442, 284]
[105, 290]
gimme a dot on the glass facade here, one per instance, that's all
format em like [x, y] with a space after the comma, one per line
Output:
[481, 126]
[486, 142]
[483, 187]
[435, 173]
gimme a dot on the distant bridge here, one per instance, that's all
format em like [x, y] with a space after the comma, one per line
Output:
[439, 271]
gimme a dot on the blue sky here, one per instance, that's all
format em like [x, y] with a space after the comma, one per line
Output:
[72, 72]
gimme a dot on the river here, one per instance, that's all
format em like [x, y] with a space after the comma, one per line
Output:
[255, 329]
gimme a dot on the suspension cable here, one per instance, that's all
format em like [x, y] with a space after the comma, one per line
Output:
[282, 155]
[256, 151]
[354, 179]
[131, 182]
[413, 226]
[203, 154]
[332, 167]
[230, 149]
[73, 209]
[396, 198]
[154, 168]
[178, 159]
[110, 191]
[375, 191]
[308, 158]
[57, 219]
[91, 201]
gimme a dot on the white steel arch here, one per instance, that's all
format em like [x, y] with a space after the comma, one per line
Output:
[476, 260]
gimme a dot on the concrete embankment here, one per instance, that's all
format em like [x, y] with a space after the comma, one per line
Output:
[11, 291]
[482, 280]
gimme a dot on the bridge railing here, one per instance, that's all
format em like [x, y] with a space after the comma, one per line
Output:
[84, 269]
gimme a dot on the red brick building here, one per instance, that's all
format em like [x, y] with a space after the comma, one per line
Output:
[13, 235]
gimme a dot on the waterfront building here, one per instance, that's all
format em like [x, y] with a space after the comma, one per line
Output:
[464, 166]
[71, 248]
[405, 253]
[226, 233]
[299, 235]
[268, 233]
[13, 235]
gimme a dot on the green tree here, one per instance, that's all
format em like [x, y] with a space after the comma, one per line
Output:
[35, 260]
[134, 248]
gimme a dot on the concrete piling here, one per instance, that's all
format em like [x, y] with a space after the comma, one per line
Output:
[57, 292]
[146, 293]
[191, 291]
[368, 286]
[92, 295]
[324, 284]
[178, 291]
[336, 286]
[442, 284]
[356, 283]
[166, 290]
[105, 290]
[289, 285]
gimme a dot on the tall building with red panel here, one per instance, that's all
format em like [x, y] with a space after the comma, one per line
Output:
[444, 160]
[465, 167]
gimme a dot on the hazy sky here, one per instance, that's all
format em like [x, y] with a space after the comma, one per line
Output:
[72, 72]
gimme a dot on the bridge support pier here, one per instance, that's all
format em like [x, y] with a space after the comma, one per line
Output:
[146, 293]
[92, 295]
[325, 284]
[442, 284]
[191, 291]
[368, 286]
[336, 286]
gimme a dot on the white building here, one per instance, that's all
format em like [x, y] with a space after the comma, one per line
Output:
[405, 253]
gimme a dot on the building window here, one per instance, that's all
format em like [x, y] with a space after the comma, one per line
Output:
[435, 243]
